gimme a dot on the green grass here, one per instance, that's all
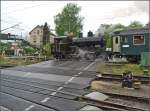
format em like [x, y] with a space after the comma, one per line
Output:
[5, 61]
[135, 68]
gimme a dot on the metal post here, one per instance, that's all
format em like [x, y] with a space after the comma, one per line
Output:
[68, 24]
[21, 35]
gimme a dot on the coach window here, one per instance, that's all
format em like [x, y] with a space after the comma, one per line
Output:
[125, 40]
[116, 40]
[138, 40]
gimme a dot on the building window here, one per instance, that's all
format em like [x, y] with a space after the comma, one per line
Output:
[38, 32]
[138, 40]
[116, 40]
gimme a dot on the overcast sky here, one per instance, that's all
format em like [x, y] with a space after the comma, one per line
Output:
[32, 13]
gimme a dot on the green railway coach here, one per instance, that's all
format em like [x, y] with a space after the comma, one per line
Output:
[131, 42]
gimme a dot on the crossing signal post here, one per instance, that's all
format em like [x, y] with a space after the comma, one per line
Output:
[9, 34]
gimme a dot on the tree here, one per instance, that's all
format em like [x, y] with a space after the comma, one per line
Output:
[108, 30]
[108, 38]
[118, 26]
[135, 24]
[69, 20]
[46, 33]
[47, 49]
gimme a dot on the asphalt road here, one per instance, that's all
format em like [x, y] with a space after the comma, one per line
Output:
[46, 86]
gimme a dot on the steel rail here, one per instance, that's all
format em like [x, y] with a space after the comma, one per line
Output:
[63, 92]
[101, 106]
[37, 92]
[105, 103]
[40, 104]
[111, 104]
[36, 82]
[118, 78]
[128, 97]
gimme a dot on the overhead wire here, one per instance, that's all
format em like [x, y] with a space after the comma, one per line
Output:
[22, 10]
[28, 8]
[8, 17]
[15, 5]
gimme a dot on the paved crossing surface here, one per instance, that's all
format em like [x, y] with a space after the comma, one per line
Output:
[46, 86]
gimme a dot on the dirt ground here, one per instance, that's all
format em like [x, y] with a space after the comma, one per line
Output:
[115, 87]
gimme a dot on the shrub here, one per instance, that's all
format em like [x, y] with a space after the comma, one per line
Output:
[28, 50]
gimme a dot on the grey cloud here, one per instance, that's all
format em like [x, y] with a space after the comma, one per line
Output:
[139, 7]
[142, 6]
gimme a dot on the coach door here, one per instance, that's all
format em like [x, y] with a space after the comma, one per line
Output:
[116, 44]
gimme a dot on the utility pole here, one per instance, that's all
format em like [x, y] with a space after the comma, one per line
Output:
[21, 35]
[69, 25]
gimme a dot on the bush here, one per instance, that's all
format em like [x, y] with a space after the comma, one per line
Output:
[28, 50]
[47, 49]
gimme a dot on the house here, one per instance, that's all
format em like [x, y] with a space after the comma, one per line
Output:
[52, 36]
[36, 36]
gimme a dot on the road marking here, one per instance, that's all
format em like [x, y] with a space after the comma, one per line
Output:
[66, 82]
[60, 88]
[27, 74]
[71, 79]
[4, 108]
[54, 93]
[29, 108]
[80, 73]
[89, 66]
[45, 100]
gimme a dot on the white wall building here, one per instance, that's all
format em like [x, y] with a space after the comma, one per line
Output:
[36, 36]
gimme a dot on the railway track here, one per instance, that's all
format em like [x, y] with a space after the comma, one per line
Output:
[82, 60]
[29, 100]
[107, 105]
[128, 97]
[42, 88]
[115, 77]
[123, 102]
[2, 66]
[103, 107]
[120, 107]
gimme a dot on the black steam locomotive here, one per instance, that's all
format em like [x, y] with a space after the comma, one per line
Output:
[67, 47]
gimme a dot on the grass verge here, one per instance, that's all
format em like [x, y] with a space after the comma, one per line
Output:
[137, 69]
[6, 61]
